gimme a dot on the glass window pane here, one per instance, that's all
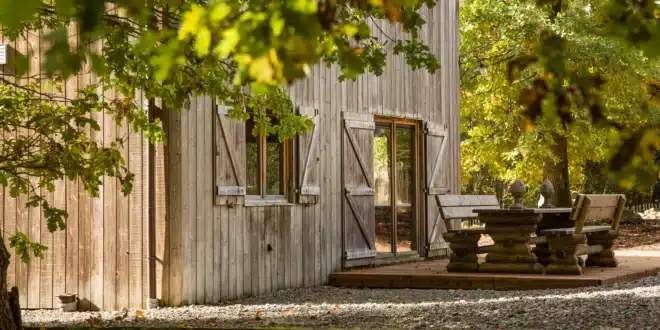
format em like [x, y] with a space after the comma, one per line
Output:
[274, 166]
[252, 160]
[405, 189]
[383, 175]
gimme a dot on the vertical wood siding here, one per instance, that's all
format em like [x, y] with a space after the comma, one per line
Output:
[101, 254]
[223, 252]
[205, 252]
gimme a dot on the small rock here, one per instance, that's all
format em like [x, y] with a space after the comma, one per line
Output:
[630, 217]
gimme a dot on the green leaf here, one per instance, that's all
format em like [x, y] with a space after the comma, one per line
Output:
[3, 178]
[191, 21]
[13, 13]
[303, 6]
[220, 11]
[203, 41]
[64, 7]
[230, 38]
[261, 69]
[277, 24]
[349, 30]
[364, 31]
[99, 65]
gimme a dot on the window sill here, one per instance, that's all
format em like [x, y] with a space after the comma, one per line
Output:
[261, 202]
[399, 255]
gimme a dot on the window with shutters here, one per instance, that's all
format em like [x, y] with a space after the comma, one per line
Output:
[268, 164]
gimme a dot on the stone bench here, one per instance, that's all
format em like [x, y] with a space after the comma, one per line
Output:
[463, 242]
[568, 244]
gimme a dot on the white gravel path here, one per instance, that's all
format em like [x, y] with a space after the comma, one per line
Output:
[633, 305]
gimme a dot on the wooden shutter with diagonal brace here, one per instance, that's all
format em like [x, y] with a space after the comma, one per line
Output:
[309, 178]
[229, 137]
[358, 184]
[435, 145]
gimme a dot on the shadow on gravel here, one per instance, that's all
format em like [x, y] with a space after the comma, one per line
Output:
[332, 295]
[140, 328]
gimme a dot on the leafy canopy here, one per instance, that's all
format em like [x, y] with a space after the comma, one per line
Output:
[584, 79]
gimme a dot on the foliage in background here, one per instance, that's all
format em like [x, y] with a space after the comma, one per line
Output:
[495, 141]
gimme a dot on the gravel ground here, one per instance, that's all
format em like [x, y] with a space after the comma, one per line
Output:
[633, 305]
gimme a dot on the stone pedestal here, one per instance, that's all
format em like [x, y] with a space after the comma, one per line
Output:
[464, 244]
[606, 257]
[551, 221]
[511, 230]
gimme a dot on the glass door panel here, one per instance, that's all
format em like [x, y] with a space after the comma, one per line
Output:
[406, 229]
[383, 189]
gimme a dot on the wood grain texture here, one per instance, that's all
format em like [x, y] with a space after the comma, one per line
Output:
[208, 251]
[88, 213]
[307, 239]
[122, 278]
[229, 167]
[99, 254]
[136, 241]
[162, 184]
[433, 275]
[73, 205]
[110, 246]
[188, 233]
[205, 117]
[46, 237]
[32, 48]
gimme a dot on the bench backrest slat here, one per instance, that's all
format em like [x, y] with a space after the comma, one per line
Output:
[464, 212]
[589, 207]
[462, 206]
[467, 200]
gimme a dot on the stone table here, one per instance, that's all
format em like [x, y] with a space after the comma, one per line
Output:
[513, 232]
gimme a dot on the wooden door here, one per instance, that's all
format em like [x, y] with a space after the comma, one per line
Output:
[358, 189]
[435, 145]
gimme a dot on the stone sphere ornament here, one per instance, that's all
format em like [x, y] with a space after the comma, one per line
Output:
[517, 190]
[547, 191]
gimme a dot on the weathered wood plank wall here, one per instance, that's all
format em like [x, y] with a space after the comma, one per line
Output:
[223, 252]
[101, 255]
[207, 253]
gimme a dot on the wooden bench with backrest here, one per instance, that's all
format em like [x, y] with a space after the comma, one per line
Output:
[463, 242]
[595, 241]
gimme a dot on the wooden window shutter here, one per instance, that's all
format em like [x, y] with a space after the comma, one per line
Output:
[229, 137]
[309, 155]
[358, 183]
[435, 147]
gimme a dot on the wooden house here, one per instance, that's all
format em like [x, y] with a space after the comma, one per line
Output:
[218, 214]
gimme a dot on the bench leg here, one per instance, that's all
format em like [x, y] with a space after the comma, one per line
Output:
[606, 257]
[564, 259]
[542, 252]
[463, 258]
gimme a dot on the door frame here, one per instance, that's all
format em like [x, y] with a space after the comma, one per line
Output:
[418, 213]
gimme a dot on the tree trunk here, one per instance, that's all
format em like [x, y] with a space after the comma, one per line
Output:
[10, 313]
[558, 173]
